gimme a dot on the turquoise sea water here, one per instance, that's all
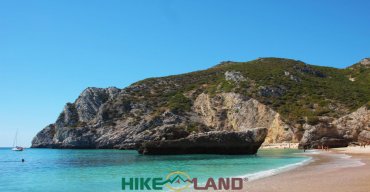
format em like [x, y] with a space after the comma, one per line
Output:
[102, 170]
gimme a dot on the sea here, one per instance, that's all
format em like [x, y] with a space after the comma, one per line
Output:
[57, 170]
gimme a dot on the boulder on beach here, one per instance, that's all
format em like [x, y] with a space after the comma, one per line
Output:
[214, 142]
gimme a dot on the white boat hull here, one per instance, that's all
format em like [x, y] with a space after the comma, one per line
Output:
[17, 149]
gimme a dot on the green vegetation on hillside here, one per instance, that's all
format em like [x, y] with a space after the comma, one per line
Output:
[298, 91]
[179, 103]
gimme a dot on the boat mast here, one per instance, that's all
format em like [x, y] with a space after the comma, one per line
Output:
[15, 139]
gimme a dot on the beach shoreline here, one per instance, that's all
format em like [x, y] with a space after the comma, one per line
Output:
[340, 170]
[280, 146]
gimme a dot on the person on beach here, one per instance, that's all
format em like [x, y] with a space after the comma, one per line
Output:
[363, 144]
[326, 148]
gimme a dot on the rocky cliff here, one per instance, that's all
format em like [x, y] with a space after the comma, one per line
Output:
[337, 132]
[293, 100]
[234, 112]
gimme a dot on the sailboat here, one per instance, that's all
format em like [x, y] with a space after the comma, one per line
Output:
[15, 146]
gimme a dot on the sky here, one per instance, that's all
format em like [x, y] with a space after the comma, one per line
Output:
[50, 51]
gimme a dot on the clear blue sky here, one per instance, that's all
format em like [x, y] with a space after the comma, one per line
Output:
[51, 50]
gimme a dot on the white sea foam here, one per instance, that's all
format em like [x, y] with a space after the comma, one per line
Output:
[340, 161]
[343, 161]
[346, 156]
[271, 172]
[314, 152]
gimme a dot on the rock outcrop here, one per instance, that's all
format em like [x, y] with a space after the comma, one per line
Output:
[214, 142]
[86, 107]
[336, 132]
[351, 125]
[365, 62]
[234, 112]
[90, 100]
[44, 139]
[328, 142]
[71, 130]
[364, 136]
[234, 76]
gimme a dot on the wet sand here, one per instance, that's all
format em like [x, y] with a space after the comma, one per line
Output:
[339, 170]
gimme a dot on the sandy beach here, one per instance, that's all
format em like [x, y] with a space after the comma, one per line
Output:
[280, 146]
[339, 170]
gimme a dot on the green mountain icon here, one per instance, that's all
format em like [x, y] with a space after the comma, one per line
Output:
[177, 179]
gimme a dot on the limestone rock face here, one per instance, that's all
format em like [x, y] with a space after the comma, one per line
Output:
[364, 136]
[80, 138]
[352, 124]
[214, 142]
[86, 107]
[69, 116]
[337, 132]
[44, 139]
[233, 112]
[224, 112]
[365, 62]
[90, 100]
[329, 142]
[234, 76]
[71, 129]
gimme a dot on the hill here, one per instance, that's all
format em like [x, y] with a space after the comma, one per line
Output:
[294, 100]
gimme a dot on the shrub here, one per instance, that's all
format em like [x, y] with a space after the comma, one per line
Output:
[313, 120]
[179, 103]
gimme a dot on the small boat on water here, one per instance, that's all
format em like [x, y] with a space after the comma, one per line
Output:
[15, 146]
